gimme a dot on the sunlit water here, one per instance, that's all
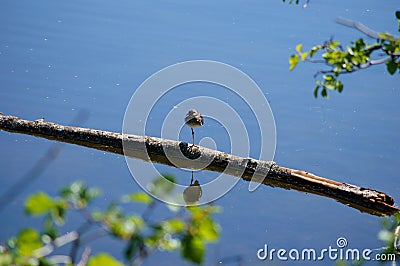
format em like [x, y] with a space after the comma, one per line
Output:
[57, 58]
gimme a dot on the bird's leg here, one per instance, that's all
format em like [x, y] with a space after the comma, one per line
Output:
[191, 181]
[192, 136]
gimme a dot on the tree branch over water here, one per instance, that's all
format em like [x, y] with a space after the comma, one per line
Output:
[359, 55]
[154, 149]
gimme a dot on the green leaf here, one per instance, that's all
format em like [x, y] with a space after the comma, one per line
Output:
[103, 259]
[134, 245]
[213, 209]
[293, 61]
[316, 91]
[174, 226]
[334, 44]
[79, 194]
[51, 232]
[314, 50]
[124, 229]
[200, 212]
[397, 218]
[324, 93]
[137, 220]
[291, 1]
[162, 186]
[208, 230]
[391, 67]
[98, 215]
[359, 44]
[59, 210]
[5, 259]
[140, 197]
[38, 204]
[298, 48]
[28, 240]
[339, 86]
[304, 56]
[193, 249]
[386, 36]
[328, 78]
[386, 236]
[120, 226]
[398, 19]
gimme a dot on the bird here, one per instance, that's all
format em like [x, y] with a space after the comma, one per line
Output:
[193, 119]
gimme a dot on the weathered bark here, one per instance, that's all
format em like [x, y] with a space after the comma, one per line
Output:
[155, 149]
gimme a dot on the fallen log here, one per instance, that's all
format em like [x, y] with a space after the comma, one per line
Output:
[154, 149]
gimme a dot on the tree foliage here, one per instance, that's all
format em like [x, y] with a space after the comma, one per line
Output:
[188, 230]
[390, 235]
[358, 55]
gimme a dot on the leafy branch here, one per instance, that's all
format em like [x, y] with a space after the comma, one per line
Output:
[357, 56]
[390, 235]
[188, 230]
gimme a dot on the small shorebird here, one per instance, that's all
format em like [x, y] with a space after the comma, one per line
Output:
[193, 119]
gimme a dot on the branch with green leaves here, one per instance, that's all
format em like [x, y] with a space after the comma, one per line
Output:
[188, 230]
[357, 56]
[390, 235]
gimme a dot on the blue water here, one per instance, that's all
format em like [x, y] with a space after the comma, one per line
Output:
[59, 57]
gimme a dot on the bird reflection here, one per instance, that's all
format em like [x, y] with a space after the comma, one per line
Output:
[193, 192]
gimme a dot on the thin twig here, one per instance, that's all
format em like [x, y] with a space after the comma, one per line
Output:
[359, 26]
[316, 61]
[83, 240]
[363, 66]
[59, 259]
[74, 249]
[81, 230]
[38, 168]
[148, 210]
[58, 242]
[144, 253]
[85, 257]
[93, 235]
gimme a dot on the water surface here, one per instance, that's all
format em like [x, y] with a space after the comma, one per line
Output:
[58, 57]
